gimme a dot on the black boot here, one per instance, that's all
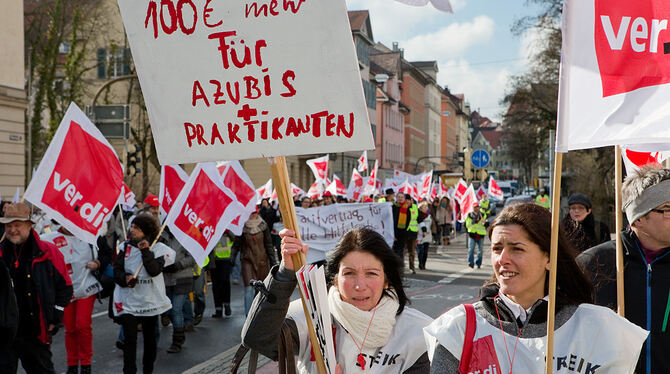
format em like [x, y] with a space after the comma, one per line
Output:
[72, 369]
[226, 307]
[178, 339]
[218, 312]
[85, 369]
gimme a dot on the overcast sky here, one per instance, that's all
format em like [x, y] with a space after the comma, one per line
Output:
[474, 47]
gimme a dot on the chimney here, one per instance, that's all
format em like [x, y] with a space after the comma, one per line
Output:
[395, 46]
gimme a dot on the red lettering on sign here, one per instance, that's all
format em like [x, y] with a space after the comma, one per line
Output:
[288, 74]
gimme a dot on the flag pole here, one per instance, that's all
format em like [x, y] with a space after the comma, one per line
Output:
[553, 258]
[123, 223]
[618, 174]
[150, 248]
[282, 184]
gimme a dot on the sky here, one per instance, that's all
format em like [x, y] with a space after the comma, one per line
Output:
[474, 47]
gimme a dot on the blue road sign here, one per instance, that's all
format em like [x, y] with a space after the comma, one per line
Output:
[480, 158]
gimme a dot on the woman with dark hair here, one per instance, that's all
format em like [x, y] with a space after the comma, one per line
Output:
[372, 327]
[510, 320]
[142, 298]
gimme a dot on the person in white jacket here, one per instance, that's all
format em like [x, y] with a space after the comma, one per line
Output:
[424, 237]
[141, 299]
[80, 260]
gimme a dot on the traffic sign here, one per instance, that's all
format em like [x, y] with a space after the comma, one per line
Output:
[480, 158]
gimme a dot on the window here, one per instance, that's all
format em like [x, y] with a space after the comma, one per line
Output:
[113, 63]
[370, 91]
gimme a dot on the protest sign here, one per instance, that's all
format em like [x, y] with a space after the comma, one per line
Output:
[173, 179]
[238, 80]
[202, 211]
[321, 227]
[614, 74]
[78, 182]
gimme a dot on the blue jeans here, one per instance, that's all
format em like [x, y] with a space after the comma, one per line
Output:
[471, 250]
[237, 270]
[199, 293]
[423, 254]
[177, 312]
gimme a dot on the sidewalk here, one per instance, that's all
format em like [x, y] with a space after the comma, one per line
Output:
[444, 265]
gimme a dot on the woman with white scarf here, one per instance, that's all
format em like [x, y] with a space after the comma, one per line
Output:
[373, 329]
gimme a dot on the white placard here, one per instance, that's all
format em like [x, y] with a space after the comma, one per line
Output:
[322, 227]
[231, 80]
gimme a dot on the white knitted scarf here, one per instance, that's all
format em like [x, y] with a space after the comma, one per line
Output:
[357, 321]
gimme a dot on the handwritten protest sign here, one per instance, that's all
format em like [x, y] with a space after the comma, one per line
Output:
[232, 80]
[323, 226]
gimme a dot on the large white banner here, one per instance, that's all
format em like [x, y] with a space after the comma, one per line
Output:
[614, 74]
[323, 226]
[230, 80]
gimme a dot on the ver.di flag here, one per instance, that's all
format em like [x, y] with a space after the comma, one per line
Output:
[202, 211]
[336, 187]
[481, 192]
[634, 159]
[236, 179]
[264, 191]
[355, 186]
[296, 191]
[495, 192]
[79, 181]
[614, 74]
[363, 162]
[468, 201]
[371, 186]
[173, 179]
[319, 167]
[127, 198]
[460, 189]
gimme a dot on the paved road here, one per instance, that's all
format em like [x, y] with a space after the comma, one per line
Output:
[447, 282]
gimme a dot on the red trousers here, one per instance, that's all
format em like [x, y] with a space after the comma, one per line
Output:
[78, 332]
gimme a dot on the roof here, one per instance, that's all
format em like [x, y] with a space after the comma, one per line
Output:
[492, 135]
[357, 19]
[389, 61]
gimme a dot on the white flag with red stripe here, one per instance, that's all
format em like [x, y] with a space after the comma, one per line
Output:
[296, 191]
[495, 191]
[319, 167]
[202, 211]
[336, 187]
[468, 202]
[426, 179]
[264, 191]
[127, 198]
[460, 189]
[80, 178]
[371, 185]
[363, 162]
[634, 159]
[236, 179]
[173, 179]
[355, 186]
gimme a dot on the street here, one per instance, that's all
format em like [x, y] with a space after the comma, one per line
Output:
[446, 282]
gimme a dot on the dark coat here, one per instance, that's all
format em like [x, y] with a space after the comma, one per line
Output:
[640, 279]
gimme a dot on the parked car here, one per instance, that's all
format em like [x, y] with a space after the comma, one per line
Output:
[507, 189]
[529, 191]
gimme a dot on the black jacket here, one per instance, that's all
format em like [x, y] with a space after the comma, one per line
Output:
[586, 234]
[49, 280]
[646, 291]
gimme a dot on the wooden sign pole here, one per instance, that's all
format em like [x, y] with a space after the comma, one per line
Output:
[618, 176]
[553, 258]
[151, 247]
[282, 184]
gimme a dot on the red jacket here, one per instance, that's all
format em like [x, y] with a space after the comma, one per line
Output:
[51, 282]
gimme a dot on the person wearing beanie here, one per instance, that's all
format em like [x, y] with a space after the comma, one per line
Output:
[580, 225]
[141, 297]
[646, 253]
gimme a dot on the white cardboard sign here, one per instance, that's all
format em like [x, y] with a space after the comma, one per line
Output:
[230, 80]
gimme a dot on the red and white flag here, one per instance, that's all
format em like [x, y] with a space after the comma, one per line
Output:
[615, 74]
[264, 191]
[460, 189]
[406, 187]
[296, 191]
[202, 211]
[634, 160]
[315, 190]
[434, 190]
[468, 202]
[363, 162]
[481, 192]
[127, 198]
[442, 5]
[355, 186]
[173, 179]
[336, 187]
[236, 179]
[371, 185]
[495, 191]
[444, 191]
[79, 181]
[426, 179]
[319, 167]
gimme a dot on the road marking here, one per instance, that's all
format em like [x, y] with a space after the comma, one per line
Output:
[99, 314]
[455, 276]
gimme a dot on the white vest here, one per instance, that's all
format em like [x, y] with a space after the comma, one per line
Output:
[77, 254]
[404, 347]
[148, 297]
[594, 340]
